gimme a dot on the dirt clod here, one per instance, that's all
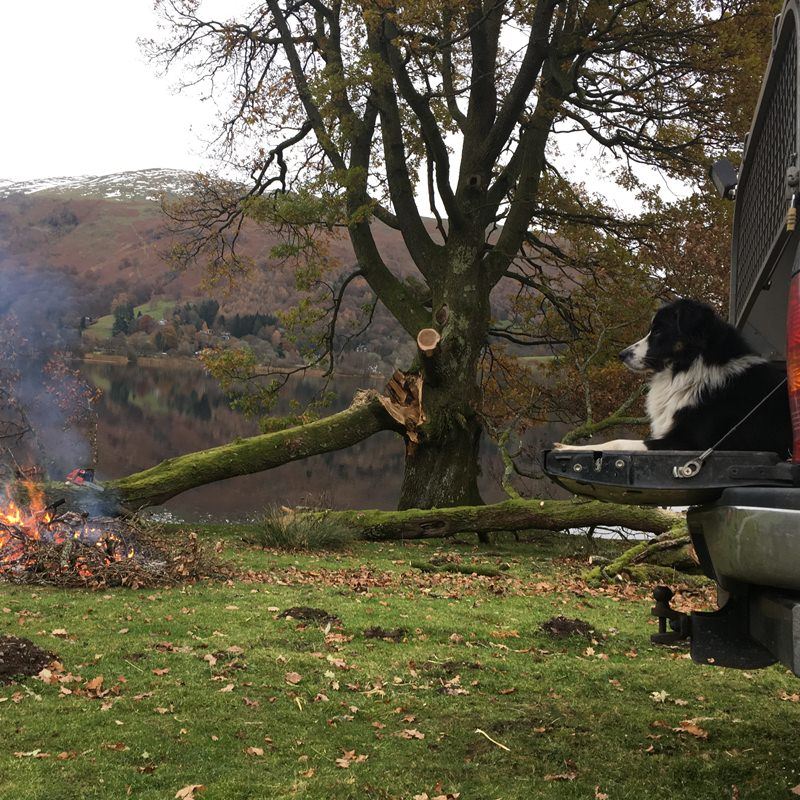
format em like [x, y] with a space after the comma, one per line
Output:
[393, 635]
[561, 627]
[20, 658]
[308, 614]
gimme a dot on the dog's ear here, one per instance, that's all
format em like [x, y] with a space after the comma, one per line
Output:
[692, 320]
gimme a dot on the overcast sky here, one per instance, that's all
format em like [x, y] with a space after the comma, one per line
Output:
[78, 97]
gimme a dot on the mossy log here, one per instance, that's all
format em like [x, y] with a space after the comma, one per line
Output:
[670, 549]
[458, 569]
[511, 515]
[363, 418]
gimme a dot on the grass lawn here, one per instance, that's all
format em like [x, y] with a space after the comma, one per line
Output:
[157, 309]
[209, 685]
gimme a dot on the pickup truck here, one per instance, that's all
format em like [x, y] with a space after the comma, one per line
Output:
[744, 515]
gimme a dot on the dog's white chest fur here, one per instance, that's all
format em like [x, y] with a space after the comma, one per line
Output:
[669, 392]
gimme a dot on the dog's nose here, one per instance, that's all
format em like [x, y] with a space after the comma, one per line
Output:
[623, 354]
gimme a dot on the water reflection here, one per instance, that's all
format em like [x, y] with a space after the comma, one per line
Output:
[147, 414]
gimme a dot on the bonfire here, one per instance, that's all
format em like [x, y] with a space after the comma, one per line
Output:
[40, 543]
[82, 544]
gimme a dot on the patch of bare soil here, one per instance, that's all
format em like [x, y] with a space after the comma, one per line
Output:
[391, 635]
[21, 657]
[561, 627]
[309, 614]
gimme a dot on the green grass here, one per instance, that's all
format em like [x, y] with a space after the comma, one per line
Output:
[561, 707]
[281, 531]
[157, 309]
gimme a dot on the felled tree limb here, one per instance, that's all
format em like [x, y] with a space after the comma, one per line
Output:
[673, 539]
[511, 515]
[365, 417]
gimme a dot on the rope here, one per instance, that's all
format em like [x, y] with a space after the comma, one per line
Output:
[693, 466]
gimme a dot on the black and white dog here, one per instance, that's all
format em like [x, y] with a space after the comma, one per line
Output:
[704, 381]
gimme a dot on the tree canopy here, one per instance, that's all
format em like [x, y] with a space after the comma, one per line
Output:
[347, 114]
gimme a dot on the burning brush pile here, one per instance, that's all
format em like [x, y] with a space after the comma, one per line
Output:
[40, 543]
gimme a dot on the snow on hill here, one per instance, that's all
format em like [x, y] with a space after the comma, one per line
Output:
[145, 184]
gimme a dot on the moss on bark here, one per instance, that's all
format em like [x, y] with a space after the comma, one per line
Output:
[511, 515]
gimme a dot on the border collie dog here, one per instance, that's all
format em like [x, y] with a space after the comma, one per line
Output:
[704, 380]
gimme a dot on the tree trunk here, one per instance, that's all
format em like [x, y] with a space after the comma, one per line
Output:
[442, 467]
[510, 515]
[443, 471]
[158, 484]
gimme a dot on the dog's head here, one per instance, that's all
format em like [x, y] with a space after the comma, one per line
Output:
[679, 334]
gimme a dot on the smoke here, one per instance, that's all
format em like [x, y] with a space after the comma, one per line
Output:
[39, 320]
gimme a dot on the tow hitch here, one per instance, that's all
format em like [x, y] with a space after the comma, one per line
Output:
[678, 622]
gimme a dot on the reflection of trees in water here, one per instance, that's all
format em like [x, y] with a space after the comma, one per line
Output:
[191, 392]
[149, 414]
[119, 392]
[193, 404]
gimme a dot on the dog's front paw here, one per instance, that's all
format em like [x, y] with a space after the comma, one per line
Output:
[560, 446]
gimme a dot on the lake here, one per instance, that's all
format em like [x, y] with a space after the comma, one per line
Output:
[147, 414]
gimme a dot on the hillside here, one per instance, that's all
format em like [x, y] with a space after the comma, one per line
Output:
[107, 236]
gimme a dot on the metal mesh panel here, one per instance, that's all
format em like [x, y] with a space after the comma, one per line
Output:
[761, 197]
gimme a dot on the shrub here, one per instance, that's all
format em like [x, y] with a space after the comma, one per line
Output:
[282, 531]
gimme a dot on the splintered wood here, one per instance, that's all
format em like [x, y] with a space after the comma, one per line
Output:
[403, 403]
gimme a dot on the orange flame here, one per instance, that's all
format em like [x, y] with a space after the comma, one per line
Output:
[20, 525]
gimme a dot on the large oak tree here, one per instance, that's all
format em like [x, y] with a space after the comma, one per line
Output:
[350, 112]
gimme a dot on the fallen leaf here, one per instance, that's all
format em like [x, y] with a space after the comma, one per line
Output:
[160, 670]
[228, 688]
[95, 685]
[411, 733]
[349, 757]
[255, 751]
[188, 792]
[293, 677]
[691, 727]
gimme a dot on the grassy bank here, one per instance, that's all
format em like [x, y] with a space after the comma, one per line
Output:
[210, 685]
[157, 309]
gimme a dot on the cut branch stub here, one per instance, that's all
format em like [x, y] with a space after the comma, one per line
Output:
[428, 341]
[403, 403]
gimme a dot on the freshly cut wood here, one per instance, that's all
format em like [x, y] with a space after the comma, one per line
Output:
[428, 341]
[365, 417]
[511, 515]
